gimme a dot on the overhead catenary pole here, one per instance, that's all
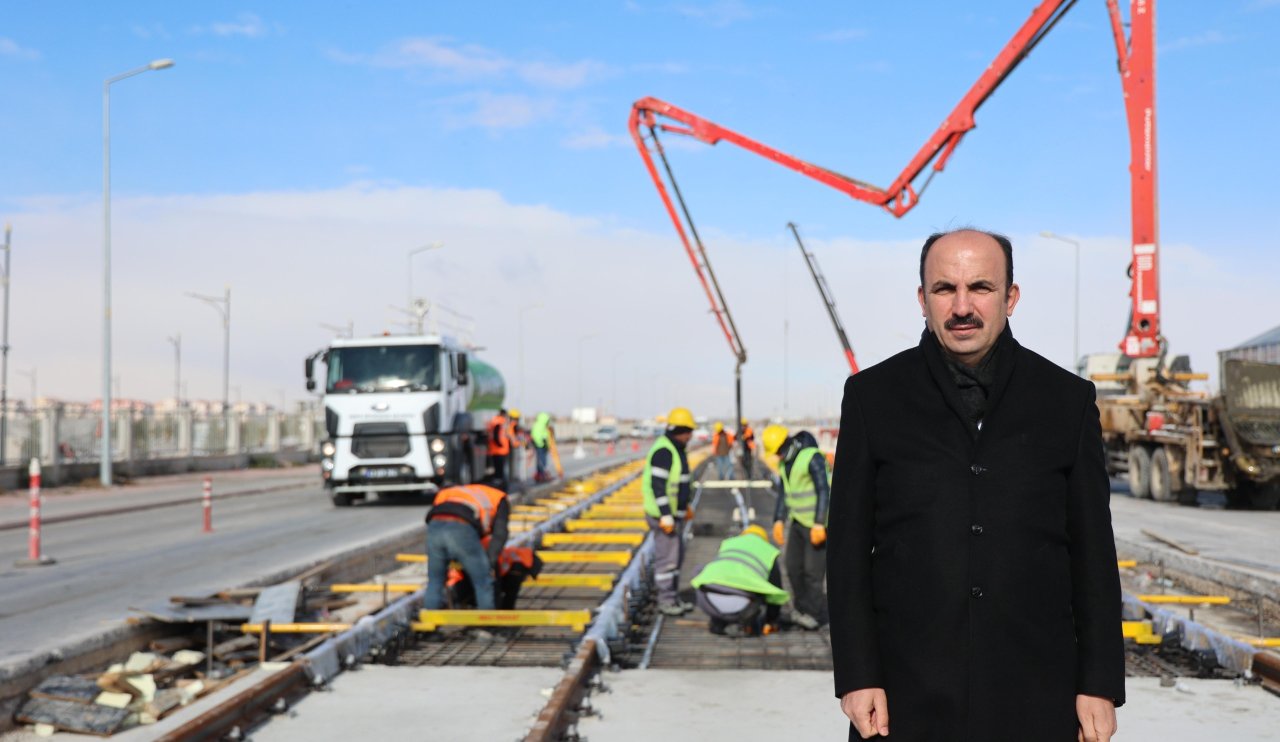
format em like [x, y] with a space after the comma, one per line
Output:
[4, 352]
[104, 467]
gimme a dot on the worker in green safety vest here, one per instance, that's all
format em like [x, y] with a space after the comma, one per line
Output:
[803, 489]
[742, 586]
[665, 487]
[540, 435]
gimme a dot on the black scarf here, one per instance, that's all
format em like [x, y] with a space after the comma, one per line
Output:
[974, 383]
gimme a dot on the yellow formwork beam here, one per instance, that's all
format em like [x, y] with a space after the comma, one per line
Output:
[621, 558]
[432, 620]
[1186, 599]
[296, 628]
[1271, 641]
[600, 512]
[602, 582]
[575, 539]
[418, 558]
[1126, 562]
[370, 587]
[583, 524]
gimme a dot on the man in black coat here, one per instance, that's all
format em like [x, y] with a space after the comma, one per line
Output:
[972, 572]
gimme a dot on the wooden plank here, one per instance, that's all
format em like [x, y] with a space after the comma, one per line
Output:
[1166, 540]
[67, 688]
[85, 718]
[277, 604]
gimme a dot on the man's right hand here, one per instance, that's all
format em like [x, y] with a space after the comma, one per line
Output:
[779, 532]
[668, 524]
[868, 709]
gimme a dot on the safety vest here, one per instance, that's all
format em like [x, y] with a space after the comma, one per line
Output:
[744, 563]
[749, 438]
[541, 430]
[716, 439]
[802, 496]
[499, 442]
[674, 477]
[475, 503]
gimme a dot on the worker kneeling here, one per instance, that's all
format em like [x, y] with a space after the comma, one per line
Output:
[742, 586]
[467, 525]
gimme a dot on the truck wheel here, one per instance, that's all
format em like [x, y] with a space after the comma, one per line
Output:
[341, 499]
[1260, 496]
[1163, 488]
[1139, 471]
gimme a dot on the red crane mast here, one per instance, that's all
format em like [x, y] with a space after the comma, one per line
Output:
[1136, 60]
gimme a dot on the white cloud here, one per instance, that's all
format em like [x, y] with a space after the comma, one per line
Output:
[495, 111]
[246, 24]
[1207, 38]
[460, 63]
[843, 34]
[150, 31]
[11, 48]
[594, 137]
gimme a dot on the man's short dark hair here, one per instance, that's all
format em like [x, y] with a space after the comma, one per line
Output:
[1000, 239]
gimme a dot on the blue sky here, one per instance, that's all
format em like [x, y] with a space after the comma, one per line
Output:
[518, 111]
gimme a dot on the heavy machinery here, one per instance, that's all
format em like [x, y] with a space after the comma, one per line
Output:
[828, 300]
[402, 414]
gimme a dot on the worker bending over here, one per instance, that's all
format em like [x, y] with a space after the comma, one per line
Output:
[467, 525]
[665, 486]
[804, 492]
[742, 586]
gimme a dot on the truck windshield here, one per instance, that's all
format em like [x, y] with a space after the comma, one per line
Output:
[385, 368]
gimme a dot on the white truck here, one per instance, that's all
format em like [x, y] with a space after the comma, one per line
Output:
[403, 414]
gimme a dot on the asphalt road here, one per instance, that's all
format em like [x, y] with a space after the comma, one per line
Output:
[107, 564]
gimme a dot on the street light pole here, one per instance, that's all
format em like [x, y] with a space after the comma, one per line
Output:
[4, 352]
[1075, 335]
[223, 307]
[176, 340]
[415, 251]
[520, 342]
[104, 467]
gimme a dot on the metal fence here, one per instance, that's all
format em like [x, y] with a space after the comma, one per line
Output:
[57, 433]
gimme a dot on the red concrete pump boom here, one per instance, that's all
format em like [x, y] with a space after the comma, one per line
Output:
[828, 300]
[1137, 70]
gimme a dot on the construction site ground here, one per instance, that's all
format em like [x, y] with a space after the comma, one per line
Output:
[701, 686]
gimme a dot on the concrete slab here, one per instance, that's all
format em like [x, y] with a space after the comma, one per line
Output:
[412, 703]
[1197, 710]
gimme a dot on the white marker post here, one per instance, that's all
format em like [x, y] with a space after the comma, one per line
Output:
[35, 554]
[208, 504]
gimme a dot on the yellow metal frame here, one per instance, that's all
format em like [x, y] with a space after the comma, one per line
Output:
[432, 620]
[603, 582]
[583, 524]
[296, 628]
[621, 558]
[1140, 632]
[1186, 599]
[577, 539]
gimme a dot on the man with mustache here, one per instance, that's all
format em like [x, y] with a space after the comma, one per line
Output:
[972, 576]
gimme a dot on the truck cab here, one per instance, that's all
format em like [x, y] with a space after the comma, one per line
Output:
[403, 414]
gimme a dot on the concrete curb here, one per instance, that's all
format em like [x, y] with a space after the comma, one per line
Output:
[1241, 578]
[193, 500]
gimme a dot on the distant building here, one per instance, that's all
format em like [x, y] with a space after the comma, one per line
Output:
[1264, 348]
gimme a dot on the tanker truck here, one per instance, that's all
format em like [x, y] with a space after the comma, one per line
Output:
[403, 414]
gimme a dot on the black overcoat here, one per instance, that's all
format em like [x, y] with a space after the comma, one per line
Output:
[972, 572]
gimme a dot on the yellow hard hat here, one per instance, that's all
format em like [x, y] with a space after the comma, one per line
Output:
[772, 437]
[719, 427]
[680, 417]
[513, 412]
[744, 421]
[755, 530]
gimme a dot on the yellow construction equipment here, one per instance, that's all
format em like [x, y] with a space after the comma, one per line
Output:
[432, 620]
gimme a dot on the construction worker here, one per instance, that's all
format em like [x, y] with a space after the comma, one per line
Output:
[499, 451]
[519, 438]
[721, 448]
[467, 525]
[743, 579]
[804, 492]
[748, 438]
[540, 435]
[665, 487]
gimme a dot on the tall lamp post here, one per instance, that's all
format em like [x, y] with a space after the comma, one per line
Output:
[223, 305]
[520, 341]
[4, 352]
[415, 251]
[176, 341]
[104, 468]
[1075, 335]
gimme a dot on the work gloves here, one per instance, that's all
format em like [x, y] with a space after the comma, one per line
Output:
[779, 532]
[818, 535]
[668, 524]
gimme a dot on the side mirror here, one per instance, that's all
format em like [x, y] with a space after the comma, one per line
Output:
[462, 369]
[310, 365]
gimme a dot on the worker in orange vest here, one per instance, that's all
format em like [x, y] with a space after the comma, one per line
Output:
[466, 524]
[499, 451]
[721, 448]
[748, 438]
